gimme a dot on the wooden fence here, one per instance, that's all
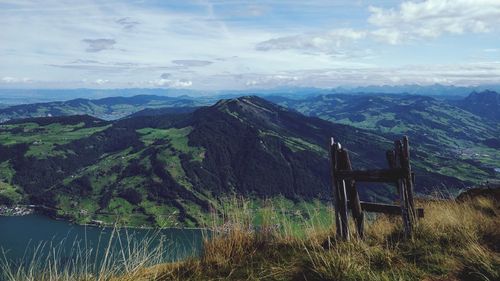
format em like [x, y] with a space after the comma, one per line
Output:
[344, 180]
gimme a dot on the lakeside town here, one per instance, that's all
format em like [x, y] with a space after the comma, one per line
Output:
[17, 210]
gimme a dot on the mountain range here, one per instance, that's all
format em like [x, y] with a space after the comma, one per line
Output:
[172, 166]
[111, 108]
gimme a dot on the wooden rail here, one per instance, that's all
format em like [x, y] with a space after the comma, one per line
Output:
[387, 209]
[347, 198]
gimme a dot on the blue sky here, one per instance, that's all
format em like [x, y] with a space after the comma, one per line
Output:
[229, 44]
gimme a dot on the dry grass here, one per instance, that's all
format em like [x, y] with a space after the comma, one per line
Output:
[455, 241]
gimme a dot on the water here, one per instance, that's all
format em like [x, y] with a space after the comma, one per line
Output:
[19, 237]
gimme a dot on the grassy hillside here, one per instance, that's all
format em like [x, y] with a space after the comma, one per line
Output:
[447, 139]
[173, 169]
[457, 240]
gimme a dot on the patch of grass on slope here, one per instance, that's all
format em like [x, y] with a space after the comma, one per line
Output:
[295, 144]
[177, 144]
[44, 139]
[9, 194]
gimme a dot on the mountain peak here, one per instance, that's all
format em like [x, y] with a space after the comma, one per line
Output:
[245, 102]
[485, 104]
[484, 96]
[249, 106]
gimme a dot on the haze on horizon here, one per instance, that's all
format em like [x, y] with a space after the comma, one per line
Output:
[230, 44]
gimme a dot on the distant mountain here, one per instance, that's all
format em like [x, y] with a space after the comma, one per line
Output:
[175, 168]
[436, 90]
[26, 96]
[446, 132]
[106, 108]
[164, 111]
[485, 104]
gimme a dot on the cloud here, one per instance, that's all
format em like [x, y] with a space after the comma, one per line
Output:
[101, 81]
[234, 44]
[272, 80]
[8, 79]
[181, 83]
[97, 45]
[409, 21]
[330, 42]
[84, 61]
[433, 18]
[127, 23]
[14, 80]
[94, 65]
[192, 63]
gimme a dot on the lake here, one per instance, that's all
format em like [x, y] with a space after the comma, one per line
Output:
[20, 236]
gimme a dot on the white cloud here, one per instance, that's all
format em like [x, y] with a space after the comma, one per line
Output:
[8, 79]
[101, 81]
[433, 18]
[271, 80]
[12, 80]
[333, 41]
[181, 83]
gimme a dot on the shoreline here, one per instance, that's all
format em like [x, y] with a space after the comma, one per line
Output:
[26, 210]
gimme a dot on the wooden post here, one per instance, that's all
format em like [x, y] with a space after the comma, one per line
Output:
[402, 189]
[352, 195]
[343, 210]
[347, 197]
[339, 192]
[409, 179]
[333, 165]
[391, 159]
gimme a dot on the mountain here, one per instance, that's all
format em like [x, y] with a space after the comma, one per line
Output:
[455, 142]
[27, 96]
[436, 90]
[164, 111]
[106, 108]
[175, 168]
[485, 104]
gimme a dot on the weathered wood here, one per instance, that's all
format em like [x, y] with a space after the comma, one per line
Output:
[403, 201]
[398, 151]
[346, 196]
[341, 219]
[387, 209]
[391, 159]
[343, 210]
[333, 167]
[401, 161]
[381, 175]
[409, 179]
[352, 194]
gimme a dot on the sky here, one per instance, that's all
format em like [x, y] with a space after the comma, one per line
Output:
[232, 44]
